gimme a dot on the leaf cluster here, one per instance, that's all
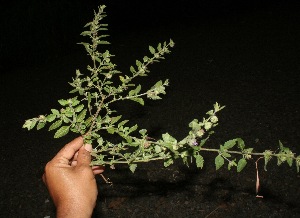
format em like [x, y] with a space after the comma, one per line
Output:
[89, 114]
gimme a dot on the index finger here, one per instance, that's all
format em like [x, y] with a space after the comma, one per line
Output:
[70, 149]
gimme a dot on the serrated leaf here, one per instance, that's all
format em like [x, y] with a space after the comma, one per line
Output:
[88, 24]
[104, 42]
[132, 70]
[122, 123]
[145, 59]
[159, 47]
[40, 125]
[111, 130]
[281, 145]
[143, 132]
[229, 144]
[219, 162]
[81, 116]
[297, 162]
[29, 124]
[88, 121]
[75, 102]
[133, 128]
[55, 125]
[225, 154]
[138, 89]
[231, 164]
[267, 158]
[62, 131]
[139, 100]
[151, 49]
[86, 33]
[63, 102]
[115, 119]
[157, 149]
[241, 164]
[132, 167]
[51, 117]
[89, 99]
[168, 162]
[79, 108]
[241, 143]
[138, 63]
[199, 161]
[54, 111]
[289, 161]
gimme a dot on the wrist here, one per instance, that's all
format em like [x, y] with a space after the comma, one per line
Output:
[74, 210]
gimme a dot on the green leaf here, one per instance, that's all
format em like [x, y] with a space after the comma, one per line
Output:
[115, 119]
[138, 63]
[54, 111]
[143, 132]
[199, 161]
[111, 130]
[202, 142]
[241, 164]
[103, 42]
[219, 162]
[171, 43]
[63, 102]
[229, 144]
[132, 70]
[297, 163]
[151, 49]
[139, 100]
[86, 33]
[281, 145]
[40, 125]
[168, 162]
[241, 143]
[81, 116]
[55, 125]
[267, 157]
[75, 101]
[132, 167]
[89, 100]
[79, 108]
[51, 117]
[289, 160]
[159, 47]
[145, 59]
[225, 154]
[157, 149]
[29, 124]
[138, 89]
[133, 128]
[122, 123]
[231, 164]
[62, 131]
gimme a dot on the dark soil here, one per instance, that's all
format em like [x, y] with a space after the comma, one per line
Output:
[248, 61]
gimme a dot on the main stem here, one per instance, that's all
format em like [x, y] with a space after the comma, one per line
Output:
[96, 115]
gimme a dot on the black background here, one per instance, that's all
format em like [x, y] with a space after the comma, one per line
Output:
[243, 54]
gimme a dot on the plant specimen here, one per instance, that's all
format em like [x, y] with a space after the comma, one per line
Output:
[90, 114]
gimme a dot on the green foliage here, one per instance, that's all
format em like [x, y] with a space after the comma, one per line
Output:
[89, 114]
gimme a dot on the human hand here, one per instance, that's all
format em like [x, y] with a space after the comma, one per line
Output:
[71, 180]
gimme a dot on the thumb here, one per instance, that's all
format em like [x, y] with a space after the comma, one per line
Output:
[84, 155]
